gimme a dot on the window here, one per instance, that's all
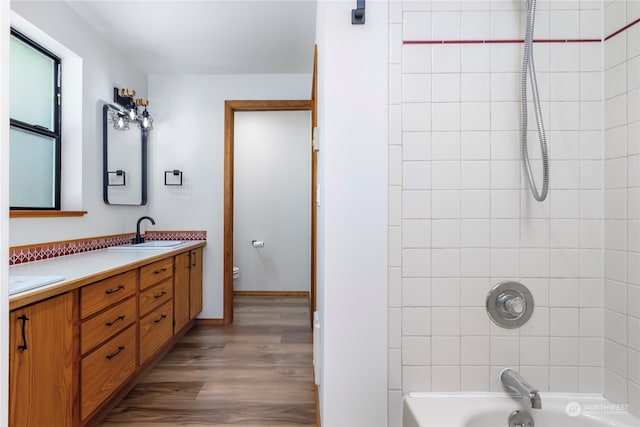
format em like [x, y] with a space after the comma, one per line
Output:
[35, 143]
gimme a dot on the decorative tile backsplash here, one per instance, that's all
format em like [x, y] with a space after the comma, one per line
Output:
[176, 235]
[22, 254]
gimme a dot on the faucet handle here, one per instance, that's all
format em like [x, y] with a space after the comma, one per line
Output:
[515, 305]
[512, 304]
[509, 304]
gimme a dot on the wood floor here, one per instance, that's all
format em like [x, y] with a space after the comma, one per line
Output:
[256, 372]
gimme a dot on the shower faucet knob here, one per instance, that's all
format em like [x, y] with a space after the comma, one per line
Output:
[515, 305]
[510, 304]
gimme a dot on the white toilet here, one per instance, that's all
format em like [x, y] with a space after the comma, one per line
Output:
[236, 272]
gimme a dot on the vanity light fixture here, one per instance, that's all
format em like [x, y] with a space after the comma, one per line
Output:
[125, 109]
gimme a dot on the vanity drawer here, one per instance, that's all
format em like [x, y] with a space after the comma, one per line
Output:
[156, 272]
[155, 296]
[106, 369]
[105, 325]
[155, 330]
[104, 293]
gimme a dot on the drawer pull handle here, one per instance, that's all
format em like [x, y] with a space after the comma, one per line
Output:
[23, 347]
[113, 291]
[118, 319]
[162, 270]
[160, 319]
[115, 353]
[160, 295]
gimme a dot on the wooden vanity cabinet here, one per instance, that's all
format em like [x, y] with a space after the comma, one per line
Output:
[72, 357]
[41, 360]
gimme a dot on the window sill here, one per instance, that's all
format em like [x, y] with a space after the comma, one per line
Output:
[41, 214]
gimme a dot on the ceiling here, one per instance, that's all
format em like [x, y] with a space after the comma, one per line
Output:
[207, 36]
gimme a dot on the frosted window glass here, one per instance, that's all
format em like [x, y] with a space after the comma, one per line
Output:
[32, 85]
[31, 185]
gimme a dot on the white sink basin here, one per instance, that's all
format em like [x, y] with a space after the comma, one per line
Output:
[24, 283]
[154, 244]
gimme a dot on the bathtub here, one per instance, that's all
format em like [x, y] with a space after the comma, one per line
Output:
[493, 410]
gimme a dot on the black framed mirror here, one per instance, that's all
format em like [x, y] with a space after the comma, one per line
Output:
[124, 159]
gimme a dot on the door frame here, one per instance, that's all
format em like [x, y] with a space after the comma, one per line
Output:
[230, 108]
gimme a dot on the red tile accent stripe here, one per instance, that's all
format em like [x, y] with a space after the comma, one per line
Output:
[497, 41]
[42, 251]
[626, 27]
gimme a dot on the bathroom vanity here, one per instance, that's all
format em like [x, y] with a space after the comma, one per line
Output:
[79, 345]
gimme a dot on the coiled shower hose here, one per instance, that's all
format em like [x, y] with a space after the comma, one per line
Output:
[528, 69]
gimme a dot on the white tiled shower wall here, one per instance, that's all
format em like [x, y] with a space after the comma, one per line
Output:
[461, 218]
[622, 205]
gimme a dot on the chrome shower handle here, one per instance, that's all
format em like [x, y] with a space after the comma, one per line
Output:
[512, 303]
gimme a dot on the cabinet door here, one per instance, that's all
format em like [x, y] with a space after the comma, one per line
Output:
[195, 283]
[41, 363]
[181, 291]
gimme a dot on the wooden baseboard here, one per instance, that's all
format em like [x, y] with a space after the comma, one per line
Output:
[209, 322]
[272, 293]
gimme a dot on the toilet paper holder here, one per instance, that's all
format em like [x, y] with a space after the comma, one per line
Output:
[257, 243]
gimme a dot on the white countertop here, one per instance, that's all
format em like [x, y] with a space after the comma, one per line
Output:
[81, 269]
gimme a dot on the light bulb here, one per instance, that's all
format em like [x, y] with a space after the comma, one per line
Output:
[121, 123]
[146, 122]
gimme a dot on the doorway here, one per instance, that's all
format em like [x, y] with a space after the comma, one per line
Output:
[231, 107]
[271, 213]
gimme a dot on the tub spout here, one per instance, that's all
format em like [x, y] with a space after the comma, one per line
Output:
[515, 382]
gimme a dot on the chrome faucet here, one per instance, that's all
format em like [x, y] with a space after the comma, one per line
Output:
[139, 238]
[515, 382]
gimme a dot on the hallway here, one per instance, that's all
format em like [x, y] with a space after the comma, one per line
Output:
[256, 372]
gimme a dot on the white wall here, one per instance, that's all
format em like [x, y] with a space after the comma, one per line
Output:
[352, 217]
[103, 69]
[189, 135]
[4, 212]
[272, 200]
